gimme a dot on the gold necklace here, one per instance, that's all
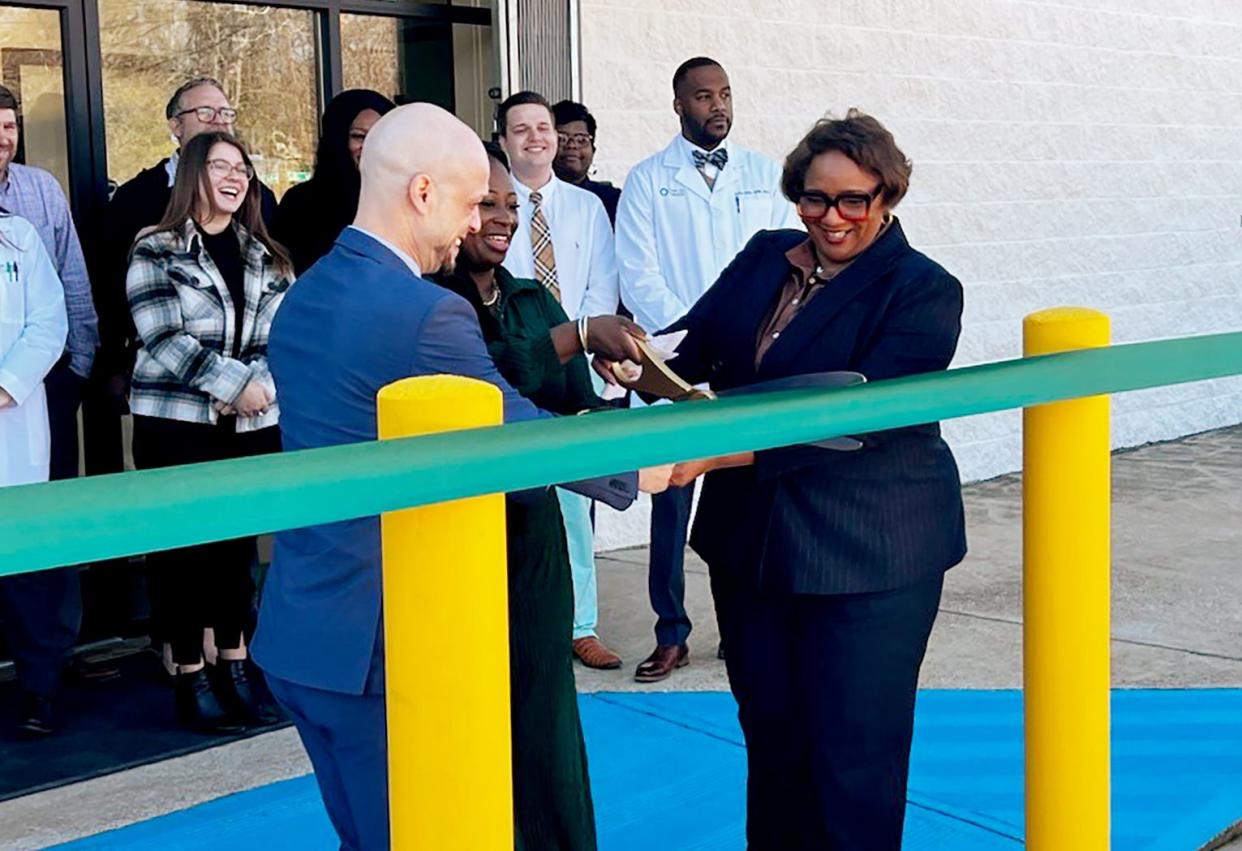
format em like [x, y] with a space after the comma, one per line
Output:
[495, 296]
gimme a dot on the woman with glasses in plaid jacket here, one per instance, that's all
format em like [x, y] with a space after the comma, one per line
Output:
[203, 286]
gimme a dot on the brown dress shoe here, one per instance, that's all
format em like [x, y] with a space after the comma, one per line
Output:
[661, 663]
[593, 653]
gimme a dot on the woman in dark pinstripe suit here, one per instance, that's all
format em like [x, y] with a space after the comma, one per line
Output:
[827, 566]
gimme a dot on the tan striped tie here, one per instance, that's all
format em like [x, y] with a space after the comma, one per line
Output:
[541, 244]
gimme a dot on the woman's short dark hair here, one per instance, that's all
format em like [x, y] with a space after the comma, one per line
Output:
[566, 111]
[864, 140]
[497, 153]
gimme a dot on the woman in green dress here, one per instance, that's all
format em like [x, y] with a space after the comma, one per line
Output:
[541, 353]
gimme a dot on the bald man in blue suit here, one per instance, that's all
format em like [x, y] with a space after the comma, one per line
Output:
[359, 319]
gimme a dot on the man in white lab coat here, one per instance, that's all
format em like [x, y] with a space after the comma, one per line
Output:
[34, 326]
[563, 241]
[684, 214]
[50, 601]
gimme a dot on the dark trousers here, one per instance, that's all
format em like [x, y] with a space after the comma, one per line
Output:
[115, 590]
[346, 738]
[43, 611]
[102, 432]
[825, 686]
[210, 585]
[666, 576]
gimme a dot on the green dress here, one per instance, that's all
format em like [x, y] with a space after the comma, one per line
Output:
[552, 794]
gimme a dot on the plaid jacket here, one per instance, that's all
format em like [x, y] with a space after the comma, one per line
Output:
[185, 321]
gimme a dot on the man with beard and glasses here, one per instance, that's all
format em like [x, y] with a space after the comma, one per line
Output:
[684, 214]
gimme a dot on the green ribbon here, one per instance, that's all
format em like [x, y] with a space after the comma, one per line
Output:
[71, 522]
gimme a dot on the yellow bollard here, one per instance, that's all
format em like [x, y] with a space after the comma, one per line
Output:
[1065, 597]
[446, 635]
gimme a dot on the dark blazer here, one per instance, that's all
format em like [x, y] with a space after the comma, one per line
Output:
[810, 520]
[606, 192]
[307, 222]
[358, 320]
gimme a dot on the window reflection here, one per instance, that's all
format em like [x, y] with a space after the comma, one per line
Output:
[370, 51]
[264, 56]
[475, 75]
[31, 66]
[410, 60]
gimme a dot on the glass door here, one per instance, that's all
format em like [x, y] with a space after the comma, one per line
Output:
[451, 64]
[32, 66]
[264, 56]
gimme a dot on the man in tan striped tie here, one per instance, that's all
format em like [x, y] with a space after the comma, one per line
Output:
[541, 246]
[564, 240]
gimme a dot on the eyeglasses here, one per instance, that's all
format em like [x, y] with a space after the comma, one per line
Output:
[852, 206]
[224, 168]
[581, 140]
[208, 114]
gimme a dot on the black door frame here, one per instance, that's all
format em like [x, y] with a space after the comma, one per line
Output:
[79, 50]
[82, 59]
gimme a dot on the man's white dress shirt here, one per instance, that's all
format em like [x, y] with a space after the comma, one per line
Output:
[582, 241]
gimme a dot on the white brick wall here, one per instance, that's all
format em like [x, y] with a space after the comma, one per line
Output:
[1082, 152]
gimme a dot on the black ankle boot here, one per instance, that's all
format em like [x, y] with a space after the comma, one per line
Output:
[233, 686]
[198, 707]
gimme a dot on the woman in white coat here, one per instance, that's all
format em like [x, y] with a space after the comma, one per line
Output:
[33, 327]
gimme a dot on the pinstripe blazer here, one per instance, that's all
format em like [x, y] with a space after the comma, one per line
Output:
[809, 520]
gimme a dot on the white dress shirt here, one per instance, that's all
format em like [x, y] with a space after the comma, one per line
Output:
[586, 262]
[405, 258]
[706, 169]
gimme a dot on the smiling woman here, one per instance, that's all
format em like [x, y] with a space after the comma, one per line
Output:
[845, 178]
[203, 287]
[827, 567]
[541, 353]
[312, 214]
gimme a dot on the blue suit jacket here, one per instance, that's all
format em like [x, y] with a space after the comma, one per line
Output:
[358, 320]
[809, 520]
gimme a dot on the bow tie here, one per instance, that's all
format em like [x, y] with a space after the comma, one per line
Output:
[718, 158]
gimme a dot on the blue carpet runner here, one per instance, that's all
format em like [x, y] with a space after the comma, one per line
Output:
[668, 773]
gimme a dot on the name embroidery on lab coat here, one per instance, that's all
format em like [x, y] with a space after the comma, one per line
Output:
[742, 194]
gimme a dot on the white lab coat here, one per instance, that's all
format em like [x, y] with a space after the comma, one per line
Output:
[675, 236]
[33, 327]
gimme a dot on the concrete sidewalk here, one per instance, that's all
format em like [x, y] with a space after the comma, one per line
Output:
[1177, 583]
[1177, 623]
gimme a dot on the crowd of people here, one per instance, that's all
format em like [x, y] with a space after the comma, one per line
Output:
[232, 325]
